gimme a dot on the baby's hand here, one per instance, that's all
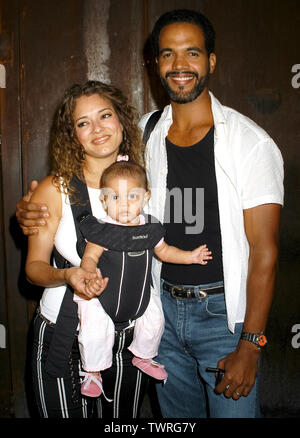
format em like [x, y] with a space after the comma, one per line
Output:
[96, 286]
[93, 286]
[200, 255]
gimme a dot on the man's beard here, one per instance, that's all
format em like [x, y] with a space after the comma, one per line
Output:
[180, 96]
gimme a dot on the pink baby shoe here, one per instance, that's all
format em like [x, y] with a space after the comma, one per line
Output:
[150, 367]
[94, 389]
[92, 385]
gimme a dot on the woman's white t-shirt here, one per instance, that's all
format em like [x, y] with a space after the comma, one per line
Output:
[65, 243]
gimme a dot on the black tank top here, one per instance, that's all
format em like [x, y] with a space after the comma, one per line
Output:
[191, 174]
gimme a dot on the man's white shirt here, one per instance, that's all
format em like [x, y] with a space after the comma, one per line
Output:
[249, 172]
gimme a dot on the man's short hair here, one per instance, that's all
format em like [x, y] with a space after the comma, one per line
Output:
[184, 16]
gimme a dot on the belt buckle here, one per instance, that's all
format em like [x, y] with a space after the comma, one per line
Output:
[202, 293]
[175, 289]
[189, 293]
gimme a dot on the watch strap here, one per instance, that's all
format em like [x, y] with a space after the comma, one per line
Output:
[258, 339]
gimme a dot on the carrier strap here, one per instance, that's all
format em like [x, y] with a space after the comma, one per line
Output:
[118, 237]
[150, 125]
[67, 319]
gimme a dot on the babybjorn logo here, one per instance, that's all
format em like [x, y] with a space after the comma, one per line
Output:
[142, 236]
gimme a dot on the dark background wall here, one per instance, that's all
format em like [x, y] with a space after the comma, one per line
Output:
[46, 46]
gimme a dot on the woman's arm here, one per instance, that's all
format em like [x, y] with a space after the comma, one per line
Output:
[38, 268]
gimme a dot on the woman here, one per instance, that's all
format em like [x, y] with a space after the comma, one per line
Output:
[94, 124]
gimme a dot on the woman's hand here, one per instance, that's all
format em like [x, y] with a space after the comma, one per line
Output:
[86, 284]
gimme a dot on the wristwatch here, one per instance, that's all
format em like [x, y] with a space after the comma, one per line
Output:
[258, 339]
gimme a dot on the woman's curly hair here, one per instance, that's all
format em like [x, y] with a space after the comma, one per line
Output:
[66, 153]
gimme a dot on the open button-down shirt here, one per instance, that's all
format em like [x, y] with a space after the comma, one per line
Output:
[249, 172]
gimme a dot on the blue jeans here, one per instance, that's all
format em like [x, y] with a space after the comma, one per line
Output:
[196, 336]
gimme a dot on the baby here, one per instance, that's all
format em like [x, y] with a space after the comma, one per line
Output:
[122, 246]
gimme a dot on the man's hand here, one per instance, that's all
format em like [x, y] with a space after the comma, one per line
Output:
[30, 216]
[240, 371]
[262, 231]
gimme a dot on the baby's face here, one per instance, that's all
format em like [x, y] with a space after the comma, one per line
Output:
[124, 199]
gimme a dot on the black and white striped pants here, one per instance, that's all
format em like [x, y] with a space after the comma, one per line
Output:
[61, 397]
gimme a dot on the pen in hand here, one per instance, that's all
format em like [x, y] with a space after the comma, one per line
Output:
[219, 372]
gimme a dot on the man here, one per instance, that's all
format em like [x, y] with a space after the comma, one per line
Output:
[199, 143]
[215, 315]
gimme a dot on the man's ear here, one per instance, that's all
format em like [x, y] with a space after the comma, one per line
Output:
[212, 62]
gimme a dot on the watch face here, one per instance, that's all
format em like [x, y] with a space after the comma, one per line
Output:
[262, 340]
